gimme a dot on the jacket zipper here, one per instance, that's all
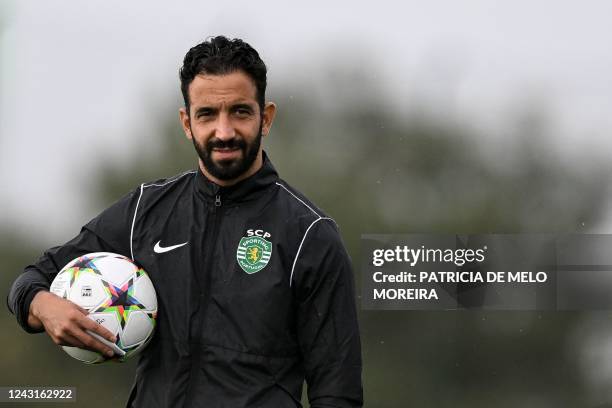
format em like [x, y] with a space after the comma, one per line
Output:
[211, 239]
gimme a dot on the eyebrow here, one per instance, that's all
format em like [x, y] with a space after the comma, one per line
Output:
[242, 106]
[238, 105]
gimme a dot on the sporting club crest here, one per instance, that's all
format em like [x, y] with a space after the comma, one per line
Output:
[253, 253]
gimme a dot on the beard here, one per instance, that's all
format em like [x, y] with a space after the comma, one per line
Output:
[228, 169]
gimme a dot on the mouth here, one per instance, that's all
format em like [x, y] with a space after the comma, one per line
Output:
[226, 153]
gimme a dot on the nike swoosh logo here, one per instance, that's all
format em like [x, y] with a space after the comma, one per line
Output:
[160, 249]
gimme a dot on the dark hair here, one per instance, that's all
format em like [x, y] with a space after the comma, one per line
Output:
[219, 56]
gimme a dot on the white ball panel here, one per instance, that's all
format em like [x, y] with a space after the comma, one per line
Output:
[115, 270]
[61, 284]
[86, 356]
[108, 320]
[137, 328]
[144, 292]
[136, 350]
[90, 256]
[87, 291]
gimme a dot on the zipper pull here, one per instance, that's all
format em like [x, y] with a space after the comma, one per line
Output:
[218, 200]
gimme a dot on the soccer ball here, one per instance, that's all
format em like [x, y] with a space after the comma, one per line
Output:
[117, 294]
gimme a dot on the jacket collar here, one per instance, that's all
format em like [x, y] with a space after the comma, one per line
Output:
[244, 190]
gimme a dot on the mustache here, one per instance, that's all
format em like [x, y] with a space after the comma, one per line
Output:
[234, 143]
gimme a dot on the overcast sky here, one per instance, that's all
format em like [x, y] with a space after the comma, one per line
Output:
[72, 73]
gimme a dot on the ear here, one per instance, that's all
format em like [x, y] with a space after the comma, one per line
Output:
[269, 112]
[184, 118]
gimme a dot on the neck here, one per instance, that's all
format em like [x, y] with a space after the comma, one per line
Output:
[226, 183]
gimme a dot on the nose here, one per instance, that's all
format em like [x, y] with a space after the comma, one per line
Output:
[224, 129]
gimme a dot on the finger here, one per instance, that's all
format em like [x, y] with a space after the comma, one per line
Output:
[70, 340]
[91, 343]
[84, 311]
[89, 324]
[113, 346]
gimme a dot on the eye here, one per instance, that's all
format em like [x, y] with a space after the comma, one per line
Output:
[243, 112]
[204, 113]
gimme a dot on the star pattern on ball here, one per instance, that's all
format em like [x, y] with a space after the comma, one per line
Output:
[121, 301]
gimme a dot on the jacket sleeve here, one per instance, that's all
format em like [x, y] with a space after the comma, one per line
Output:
[108, 232]
[327, 325]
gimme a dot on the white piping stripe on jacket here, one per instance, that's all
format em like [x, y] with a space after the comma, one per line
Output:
[300, 247]
[142, 187]
[297, 198]
[171, 180]
[307, 229]
[134, 222]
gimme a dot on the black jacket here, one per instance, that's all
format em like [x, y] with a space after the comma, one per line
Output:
[229, 335]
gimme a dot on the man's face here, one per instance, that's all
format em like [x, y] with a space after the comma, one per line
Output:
[226, 125]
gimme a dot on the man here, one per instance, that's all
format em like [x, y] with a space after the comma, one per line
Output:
[231, 332]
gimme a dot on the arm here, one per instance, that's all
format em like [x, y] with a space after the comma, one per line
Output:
[37, 310]
[328, 330]
[38, 276]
